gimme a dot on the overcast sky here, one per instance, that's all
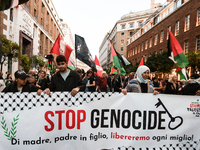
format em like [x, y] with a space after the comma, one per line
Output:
[92, 19]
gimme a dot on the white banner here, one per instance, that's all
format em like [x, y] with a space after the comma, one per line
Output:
[99, 121]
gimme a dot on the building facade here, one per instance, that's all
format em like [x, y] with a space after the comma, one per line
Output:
[105, 52]
[124, 29]
[181, 17]
[34, 26]
[68, 38]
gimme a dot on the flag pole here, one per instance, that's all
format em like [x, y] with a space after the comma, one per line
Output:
[185, 71]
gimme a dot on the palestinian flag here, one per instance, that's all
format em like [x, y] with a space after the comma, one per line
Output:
[7, 4]
[61, 48]
[182, 72]
[70, 65]
[122, 59]
[175, 52]
[113, 71]
[141, 62]
[48, 65]
[116, 61]
[98, 67]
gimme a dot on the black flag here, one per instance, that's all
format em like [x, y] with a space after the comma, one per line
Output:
[6, 4]
[82, 51]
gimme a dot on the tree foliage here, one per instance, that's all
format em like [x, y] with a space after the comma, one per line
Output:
[194, 60]
[9, 47]
[37, 60]
[24, 62]
[131, 68]
[12, 50]
[160, 62]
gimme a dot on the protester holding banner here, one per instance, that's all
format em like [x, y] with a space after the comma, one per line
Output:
[65, 79]
[43, 81]
[157, 84]
[164, 83]
[109, 82]
[129, 78]
[193, 86]
[21, 84]
[102, 83]
[91, 81]
[117, 82]
[141, 84]
[172, 86]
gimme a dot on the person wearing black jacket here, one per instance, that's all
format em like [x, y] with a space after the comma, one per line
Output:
[193, 86]
[90, 81]
[21, 85]
[65, 79]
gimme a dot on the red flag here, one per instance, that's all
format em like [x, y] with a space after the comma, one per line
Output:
[141, 62]
[56, 47]
[61, 48]
[113, 71]
[68, 51]
[98, 66]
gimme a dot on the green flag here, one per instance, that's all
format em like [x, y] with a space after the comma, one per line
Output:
[116, 61]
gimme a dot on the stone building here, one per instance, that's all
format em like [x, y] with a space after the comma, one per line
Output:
[123, 30]
[68, 38]
[181, 17]
[33, 25]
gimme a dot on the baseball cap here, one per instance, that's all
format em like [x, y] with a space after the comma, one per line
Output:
[20, 74]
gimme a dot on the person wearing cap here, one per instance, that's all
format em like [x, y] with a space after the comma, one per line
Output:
[193, 86]
[65, 79]
[141, 84]
[21, 85]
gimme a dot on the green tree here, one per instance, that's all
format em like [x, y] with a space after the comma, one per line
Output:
[194, 60]
[9, 47]
[37, 61]
[11, 50]
[24, 62]
[131, 68]
[160, 62]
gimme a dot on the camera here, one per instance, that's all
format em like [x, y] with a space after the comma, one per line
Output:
[49, 57]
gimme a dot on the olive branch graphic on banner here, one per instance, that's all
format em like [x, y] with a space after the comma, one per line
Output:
[12, 133]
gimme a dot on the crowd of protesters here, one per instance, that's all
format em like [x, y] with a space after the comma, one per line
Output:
[65, 79]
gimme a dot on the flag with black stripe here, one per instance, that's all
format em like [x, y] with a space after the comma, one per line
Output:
[7, 4]
[82, 51]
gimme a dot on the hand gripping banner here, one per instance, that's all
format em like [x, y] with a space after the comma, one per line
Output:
[99, 121]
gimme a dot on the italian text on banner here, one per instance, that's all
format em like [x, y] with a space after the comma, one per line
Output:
[99, 121]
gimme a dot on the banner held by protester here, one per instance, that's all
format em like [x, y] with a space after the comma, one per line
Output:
[99, 121]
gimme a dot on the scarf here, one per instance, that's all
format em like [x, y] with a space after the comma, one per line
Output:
[139, 73]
